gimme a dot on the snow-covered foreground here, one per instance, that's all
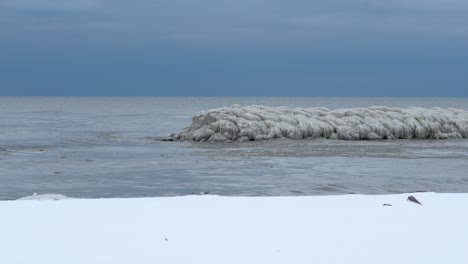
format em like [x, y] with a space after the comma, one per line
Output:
[242, 123]
[213, 229]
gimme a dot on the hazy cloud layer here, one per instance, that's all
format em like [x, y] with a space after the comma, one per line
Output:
[242, 20]
[351, 46]
[50, 4]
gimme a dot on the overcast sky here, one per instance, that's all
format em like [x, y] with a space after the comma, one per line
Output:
[241, 47]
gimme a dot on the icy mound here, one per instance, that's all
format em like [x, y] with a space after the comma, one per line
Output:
[45, 197]
[241, 123]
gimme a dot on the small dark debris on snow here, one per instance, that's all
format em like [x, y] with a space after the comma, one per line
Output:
[201, 193]
[385, 204]
[413, 199]
[165, 239]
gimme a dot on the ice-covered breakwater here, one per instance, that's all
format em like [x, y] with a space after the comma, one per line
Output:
[242, 123]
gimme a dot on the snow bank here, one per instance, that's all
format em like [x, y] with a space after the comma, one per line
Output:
[241, 123]
[212, 229]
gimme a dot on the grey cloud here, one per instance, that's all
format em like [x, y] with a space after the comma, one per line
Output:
[423, 4]
[242, 20]
[454, 26]
[50, 4]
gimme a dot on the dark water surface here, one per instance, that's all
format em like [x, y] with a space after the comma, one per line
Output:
[109, 147]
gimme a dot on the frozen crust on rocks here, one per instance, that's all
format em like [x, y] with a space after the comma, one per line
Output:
[48, 196]
[244, 123]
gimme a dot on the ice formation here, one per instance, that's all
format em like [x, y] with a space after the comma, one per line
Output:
[242, 123]
[48, 196]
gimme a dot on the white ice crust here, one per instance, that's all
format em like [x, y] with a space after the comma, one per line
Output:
[242, 123]
[47, 196]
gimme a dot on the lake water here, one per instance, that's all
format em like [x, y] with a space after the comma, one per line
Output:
[95, 147]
